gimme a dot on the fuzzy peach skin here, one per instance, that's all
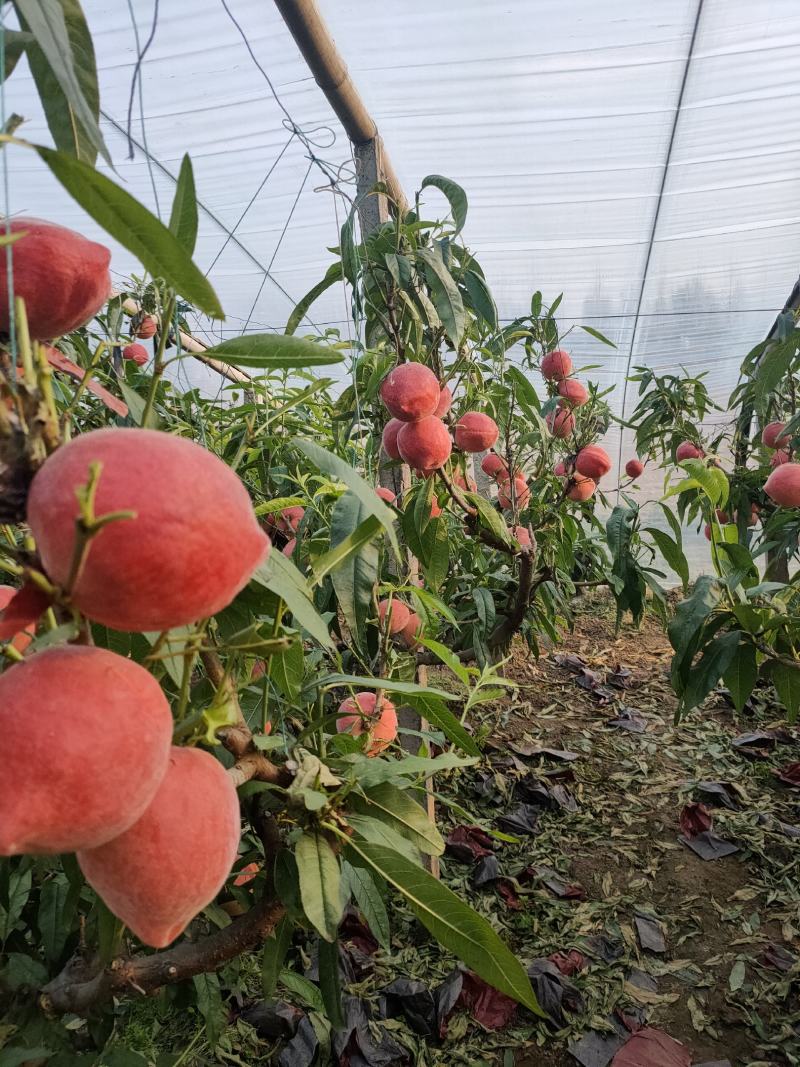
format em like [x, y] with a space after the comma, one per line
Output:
[445, 401]
[593, 462]
[400, 614]
[521, 492]
[783, 485]
[411, 392]
[23, 638]
[561, 422]
[87, 735]
[688, 450]
[357, 715]
[425, 445]
[475, 432]
[174, 860]
[389, 438]
[581, 488]
[572, 393]
[62, 276]
[556, 365]
[194, 543]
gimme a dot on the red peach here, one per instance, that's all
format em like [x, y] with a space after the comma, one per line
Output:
[521, 491]
[561, 423]
[390, 432]
[445, 401]
[468, 484]
[572, 392]
[400, 614]
[425, 444]
[688, 450]
[408, 635]
[783, 485]
[411, 392]
[386, 494]
[148, 327]
[246, 874]
[593, 462]
[90, 733]
[157, 875]
[581, 488]
[634, 468]
[556, 365]
[138, 353]
[289, 547]
[359, 714]
[193, 544]
[21, 640]
[494, 465]
[773, 437]
[475, 432]
[779, 457]
[522, 535]
[62, 276]
[563, 468]
[436, 511]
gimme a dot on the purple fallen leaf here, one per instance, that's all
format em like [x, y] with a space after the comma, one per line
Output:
[651, 934]
[652, 1048]
[595, 1049]
[694, 819]
[708, 846]
[630, 720]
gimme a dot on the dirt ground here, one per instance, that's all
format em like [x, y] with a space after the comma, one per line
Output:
[725, 982]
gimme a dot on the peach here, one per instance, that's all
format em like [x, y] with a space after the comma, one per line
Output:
[563, 468]
[408, 635]
[289, 547]
[445, 402]
[386, 494]
[556, 365]
[494, 465]
[773, 437]
[779, 457]
[194, 543]
[23, 638]
[399, 614]
[573, 393]
[581, 488]
[291, 519]
[411, 392]
[138, 353]
[390, 432]
[246, 874]
[634, 468]
[522, 535]
[90, 733]
[359, 714]
[688, 450]
[783, 485]
[521, 492]
[62, 276]
[561, 422]
[436, 511]
[147, 328]
[163, 870]
[475, 432]
[465, 483]
[593, 462]
[425, 444]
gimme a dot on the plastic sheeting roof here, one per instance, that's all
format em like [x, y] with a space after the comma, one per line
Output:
[557, 116]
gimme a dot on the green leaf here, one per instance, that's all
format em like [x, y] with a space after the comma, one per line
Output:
[394, 806]
[444, 293]
[19, 888]
[52, 920]
[712, 480]
[287, 669]
[693, 612]
[183, 220]
[437, 714]
[481, 297]
[15, 1055]
[355, 578]
[22, 971]
[456, 197]
[741, 675]
[209, 1002]
[329, 985]
[302, 988]
[378, 832]
[453, 923]
[672, 553]
[370, 903]
[449, 658]
[15, 42]
[703, 676]
[332, 275]
[786, 680]
[369, 771]
[364, 534]
[136, 228]
[281, 577]
[274, 351]
[63, 66]
[597, 335]
[275, 948]
[436, 556]
[737, 976]
[389, 685]
[490, 518]
[772, 368]
[320, 889]
[344, 472]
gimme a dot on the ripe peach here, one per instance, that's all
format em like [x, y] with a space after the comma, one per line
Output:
[773, 437]
[289, 547]
[572, 392]
[634, 468]
[400, 614]
[23, 638]
[556, 365]
[688, 450]
[436, 511]
[62, 276]
[287, 522]
[581, 488]
[467, 484]
[445, 401]
[560, 422]
[522, 536]
[386, 494]
[475, 432]
[147, 328]
[246, 874]
[593, 462]
[138, 353]
[359, 714]
[410, 392]
[494, 465]
[426, 444]
[192, 546]
[408, 635]
[521, 491]
[783, 485]
[90, 733]
[390, 432]
[755, 512]
[779, 457]
[157, 875]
